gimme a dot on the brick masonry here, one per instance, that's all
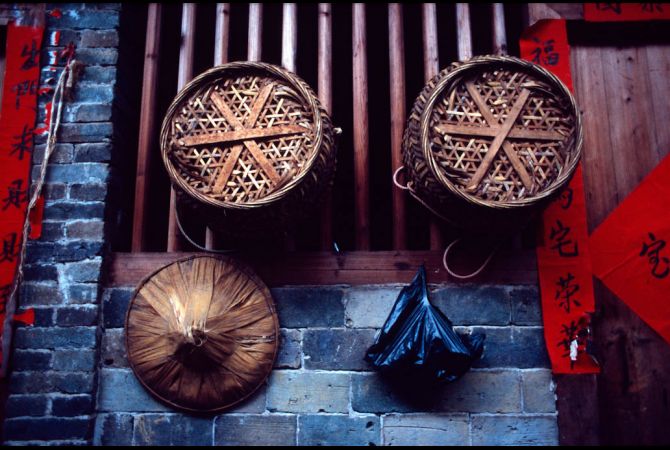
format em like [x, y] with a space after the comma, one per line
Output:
[53, 387]
[321, 392]
[72, 384]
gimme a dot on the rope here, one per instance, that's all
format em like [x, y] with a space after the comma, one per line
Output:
[191, 241]
[65, 83]
[408, 187]
[469, 275]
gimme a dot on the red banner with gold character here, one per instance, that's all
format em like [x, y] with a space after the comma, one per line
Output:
[624, 12]
[566, 285]
[17, 121]
[631, 250]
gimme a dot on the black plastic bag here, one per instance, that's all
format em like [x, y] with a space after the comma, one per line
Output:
[418, 340]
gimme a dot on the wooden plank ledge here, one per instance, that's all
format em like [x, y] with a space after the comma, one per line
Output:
[353, 268]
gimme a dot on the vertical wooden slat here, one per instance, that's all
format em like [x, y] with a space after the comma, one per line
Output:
[397, 84]
[184, 74]
[464, 34]
[325, 67]
[221, 35]
[499, 32]
[360, 101]
[255, 31]
[289, 39]
[431, 66]
[147, 130]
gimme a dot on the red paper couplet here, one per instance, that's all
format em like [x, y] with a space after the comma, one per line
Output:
[631, 250]
[623, 12]
[17, 120]
[566, 285]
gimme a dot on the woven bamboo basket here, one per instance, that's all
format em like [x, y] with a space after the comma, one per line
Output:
[248, 148]
[202, 333]
[490, 141]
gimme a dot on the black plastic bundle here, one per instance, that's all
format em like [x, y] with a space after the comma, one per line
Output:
[418, 340]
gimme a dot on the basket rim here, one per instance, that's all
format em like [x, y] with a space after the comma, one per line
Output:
[267, 294]
[284, 75]
[449, 80]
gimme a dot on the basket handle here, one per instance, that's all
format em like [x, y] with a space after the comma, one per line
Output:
[395, 179]
[191, 241]
[469, 275]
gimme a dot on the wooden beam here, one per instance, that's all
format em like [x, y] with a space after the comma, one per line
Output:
[397, 85]
[184, 75]
[324, 268]
[431, 67]
[289, 40]
[221, 38]
[255, 36]
[499, 31]
[463, 31]
[325, 74]
[361, 137]
[222, 33]
[147, 130]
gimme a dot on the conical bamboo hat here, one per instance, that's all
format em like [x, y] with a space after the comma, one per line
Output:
[202, 333]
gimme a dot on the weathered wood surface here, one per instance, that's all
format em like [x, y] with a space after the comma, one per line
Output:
[148, 124]
[359, 267]
[623, 92]
[325, 87]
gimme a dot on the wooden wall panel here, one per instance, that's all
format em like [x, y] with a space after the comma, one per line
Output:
[623, 94]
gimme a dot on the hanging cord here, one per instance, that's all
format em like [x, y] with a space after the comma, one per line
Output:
[63, 89]
[191, 241]
[469, 275]
[408, 187]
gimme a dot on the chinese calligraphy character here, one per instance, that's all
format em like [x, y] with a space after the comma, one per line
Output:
[615, 7]
[23, 142]
[5, 292]
[28, 87]
[546, 48]
[32, 55]
[566, 198]
[652, 7]
[565, 246]
[15, 195]
[9, 250]
[652, 252]
[570, 333]
[566, 291]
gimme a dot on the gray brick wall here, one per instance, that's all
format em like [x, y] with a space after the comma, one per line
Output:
[52, 389]
[321, 392]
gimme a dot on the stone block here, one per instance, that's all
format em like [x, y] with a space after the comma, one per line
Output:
[256, 430]
[51, 338]
[115, 306]
[309, 307]
[369, 307]
[336, 430]
[290, 350]
[525, 305]
[538, 391]
[113, 429]
[114, 348]
[74, 360]
[514, 430]
[337, 349]
[477, 391]
[474, 304]
[426, 429]
[172, 429]
[74, 210]
[120, 391]
[88, 230]
[46, 428]
[75, 316]
[292, 391]
[88, 192]
[31, 360]
[72, 405]
[26, 405]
